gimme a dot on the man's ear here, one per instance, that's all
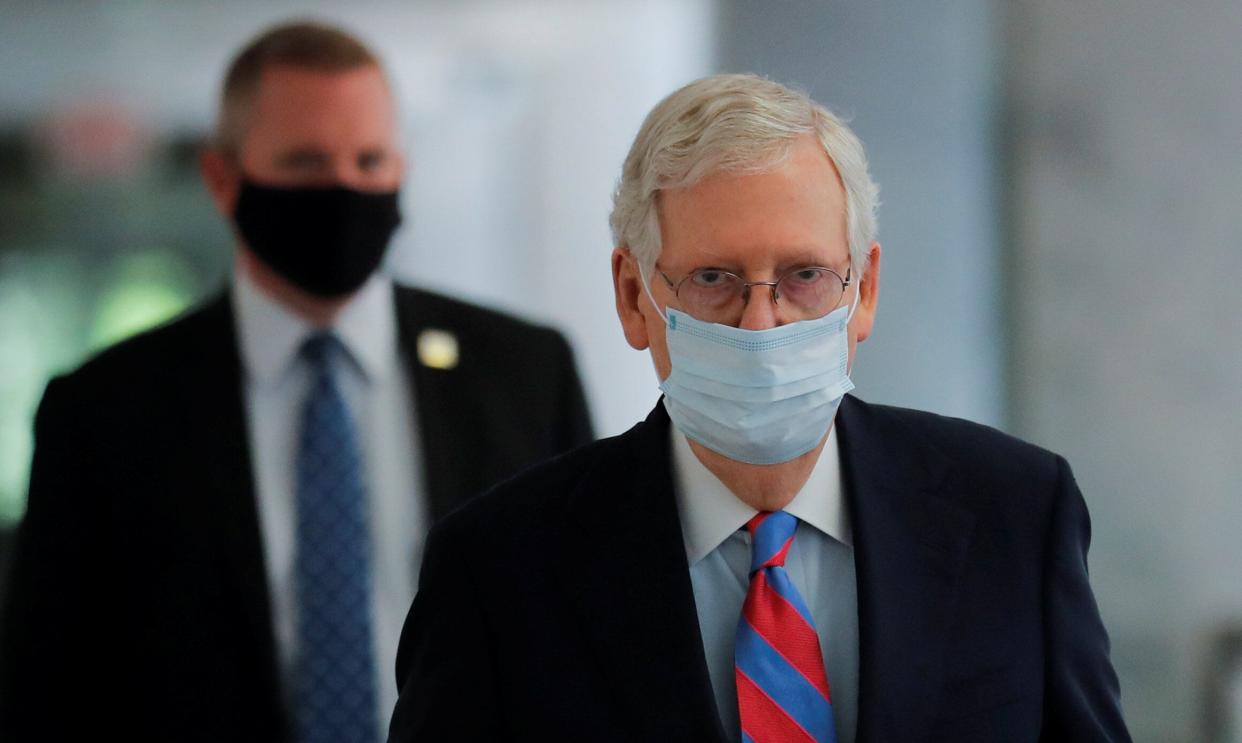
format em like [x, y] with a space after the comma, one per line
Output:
[222, 176]
[627, 284]
[868, 295]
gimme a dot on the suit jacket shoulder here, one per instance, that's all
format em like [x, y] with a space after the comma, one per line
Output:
[971, 559]
[983, 459]
[156, 356]
[505, 340]
[442, 310]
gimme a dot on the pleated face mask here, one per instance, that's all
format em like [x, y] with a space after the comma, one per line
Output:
[757, 396]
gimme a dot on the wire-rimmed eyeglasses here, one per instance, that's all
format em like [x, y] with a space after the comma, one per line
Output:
[716, 295]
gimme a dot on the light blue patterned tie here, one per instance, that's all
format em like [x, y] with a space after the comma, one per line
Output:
[335, 694]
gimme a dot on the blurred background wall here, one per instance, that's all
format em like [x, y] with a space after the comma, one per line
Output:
[1124, 146]
[1060, 185]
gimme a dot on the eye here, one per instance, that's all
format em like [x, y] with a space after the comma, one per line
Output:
[805, 276]
[711, 278]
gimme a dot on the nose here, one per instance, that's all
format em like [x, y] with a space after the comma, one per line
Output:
[346, 173]
[760, 312]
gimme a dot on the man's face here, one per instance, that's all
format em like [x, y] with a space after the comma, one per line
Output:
[313, 128]
[758, 227]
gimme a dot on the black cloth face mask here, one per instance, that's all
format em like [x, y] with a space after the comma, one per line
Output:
[327, 241]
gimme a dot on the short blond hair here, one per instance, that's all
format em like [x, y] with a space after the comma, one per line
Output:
[736, 124]
[303, 44]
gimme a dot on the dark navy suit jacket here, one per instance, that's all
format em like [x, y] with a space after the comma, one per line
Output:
[559, 605]
[139, 606]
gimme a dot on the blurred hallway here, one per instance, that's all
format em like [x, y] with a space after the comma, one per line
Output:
[1059, 187]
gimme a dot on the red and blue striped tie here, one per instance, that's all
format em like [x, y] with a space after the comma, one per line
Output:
[782, 688]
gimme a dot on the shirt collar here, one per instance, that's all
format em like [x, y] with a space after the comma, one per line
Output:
[270, 335]
[710, 512]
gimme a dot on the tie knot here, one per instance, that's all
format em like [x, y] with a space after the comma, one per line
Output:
[771, 534]
[320, 347]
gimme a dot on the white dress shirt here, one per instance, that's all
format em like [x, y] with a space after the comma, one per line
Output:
[377, 388]
[820, 563]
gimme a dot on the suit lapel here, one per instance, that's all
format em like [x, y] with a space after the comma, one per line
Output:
[216, 422]
[440, 429]
[631, 584]
[911, 538]
[434, 390]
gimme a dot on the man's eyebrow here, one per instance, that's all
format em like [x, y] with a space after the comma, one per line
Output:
[800, 258]
[297, 155]
[808, 256]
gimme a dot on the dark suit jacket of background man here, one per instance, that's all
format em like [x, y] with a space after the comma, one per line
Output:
[139, 604]
[559, 605]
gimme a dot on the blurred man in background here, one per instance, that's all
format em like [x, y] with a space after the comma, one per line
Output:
[226, 513]
[765, 558]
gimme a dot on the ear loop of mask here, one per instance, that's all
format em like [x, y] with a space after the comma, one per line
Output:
[647, 288]
[849, 360]
[854, 304]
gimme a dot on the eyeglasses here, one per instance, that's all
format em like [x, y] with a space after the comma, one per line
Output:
[714, 295]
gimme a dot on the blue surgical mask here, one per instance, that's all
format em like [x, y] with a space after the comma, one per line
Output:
[757, 396]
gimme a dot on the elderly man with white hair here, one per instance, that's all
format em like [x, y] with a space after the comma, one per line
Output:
[765, 557]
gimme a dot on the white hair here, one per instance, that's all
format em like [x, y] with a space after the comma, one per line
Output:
[735, 124]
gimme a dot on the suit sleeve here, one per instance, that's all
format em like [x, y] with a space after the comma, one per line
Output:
[1081, 696]
[52, 671]
[445, 667]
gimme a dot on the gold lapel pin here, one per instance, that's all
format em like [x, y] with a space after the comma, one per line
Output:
[437, 349]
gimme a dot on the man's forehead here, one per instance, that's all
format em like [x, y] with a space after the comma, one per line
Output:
[793, 213]
[296, 107]
[281, 83]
